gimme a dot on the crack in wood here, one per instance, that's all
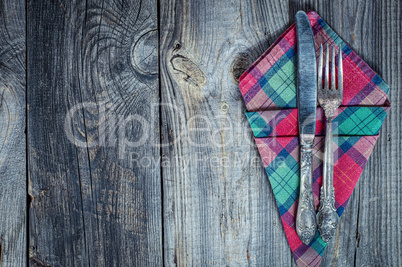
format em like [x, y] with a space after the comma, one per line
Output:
[39, 262]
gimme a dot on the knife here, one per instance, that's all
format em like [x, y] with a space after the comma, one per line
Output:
[306, 225]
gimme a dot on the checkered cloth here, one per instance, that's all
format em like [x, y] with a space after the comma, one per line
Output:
[269, 91]
[348, 120]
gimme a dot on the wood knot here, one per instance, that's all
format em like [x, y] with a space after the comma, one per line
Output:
[189, 71]
[224, 107]
[177, 46]
[144, 53]
[239, 66]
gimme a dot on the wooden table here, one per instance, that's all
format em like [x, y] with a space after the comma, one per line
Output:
[90, 88]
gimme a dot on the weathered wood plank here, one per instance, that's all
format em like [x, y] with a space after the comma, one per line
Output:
[13, 219]
[379, 231]
[218, 205]
[93, 94]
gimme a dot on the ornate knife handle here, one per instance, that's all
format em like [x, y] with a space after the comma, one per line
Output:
[327, 218]
[306, 225]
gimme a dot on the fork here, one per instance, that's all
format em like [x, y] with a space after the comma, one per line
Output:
[329, 99]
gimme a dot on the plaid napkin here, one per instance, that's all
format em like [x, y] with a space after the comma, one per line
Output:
[269, 91]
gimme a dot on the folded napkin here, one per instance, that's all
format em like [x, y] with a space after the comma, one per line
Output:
[269, 91]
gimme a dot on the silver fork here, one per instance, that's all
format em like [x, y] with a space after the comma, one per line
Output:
[329, 99]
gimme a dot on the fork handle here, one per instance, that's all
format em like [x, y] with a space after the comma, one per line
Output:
[327, 218]
[306, 225]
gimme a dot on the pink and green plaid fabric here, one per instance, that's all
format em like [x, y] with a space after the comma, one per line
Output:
[348, 120]
[269, 91]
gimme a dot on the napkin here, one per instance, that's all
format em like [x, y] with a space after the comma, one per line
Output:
[269, 90]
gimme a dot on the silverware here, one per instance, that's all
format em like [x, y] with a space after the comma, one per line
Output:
[306, 225]
[329, 99]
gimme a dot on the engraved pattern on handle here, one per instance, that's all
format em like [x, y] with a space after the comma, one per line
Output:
[327, 217]
[306, 225]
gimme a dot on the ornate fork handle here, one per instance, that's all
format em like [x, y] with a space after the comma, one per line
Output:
[306, 225]
[327, 218]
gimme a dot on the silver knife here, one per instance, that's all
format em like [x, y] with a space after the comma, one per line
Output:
[306, 225]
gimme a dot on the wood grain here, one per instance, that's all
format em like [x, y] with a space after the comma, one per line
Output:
[13, 216]
[379, 225]
[218, 204]
[93, 77]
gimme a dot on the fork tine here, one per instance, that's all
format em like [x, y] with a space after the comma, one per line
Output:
[327, 70]
[340, 71]
[333, 86]
[319, 76]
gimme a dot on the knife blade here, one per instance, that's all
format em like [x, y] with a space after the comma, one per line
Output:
[306, 225]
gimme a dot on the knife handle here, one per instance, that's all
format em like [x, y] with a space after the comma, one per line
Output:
[306, 225]
[327, 217]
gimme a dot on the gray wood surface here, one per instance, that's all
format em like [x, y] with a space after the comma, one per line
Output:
[379, 209]
[13, 198]
[90, 203]
[133, 74]
[218, 206]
